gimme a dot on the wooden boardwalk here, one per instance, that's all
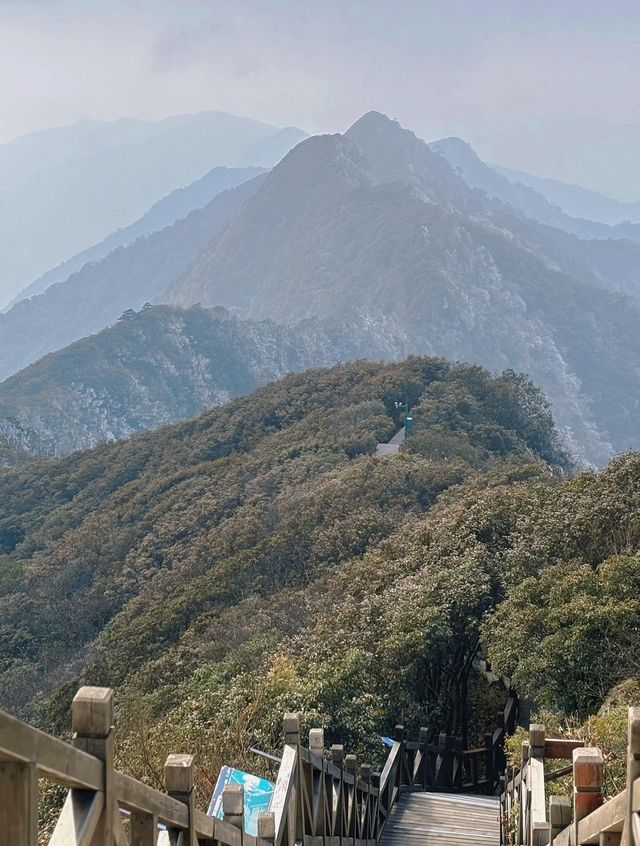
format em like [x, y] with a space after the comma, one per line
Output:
[422, 819]
[320, 795]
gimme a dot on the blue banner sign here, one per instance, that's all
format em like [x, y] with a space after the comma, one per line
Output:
[257, 796]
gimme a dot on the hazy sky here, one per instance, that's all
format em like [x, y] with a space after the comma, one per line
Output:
[523, 80]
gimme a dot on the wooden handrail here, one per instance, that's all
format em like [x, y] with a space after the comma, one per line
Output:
[53, 758]
[318, 797]
[134, 795]
[594, 820]
[607, 818]
[389, 765]
[26, 752]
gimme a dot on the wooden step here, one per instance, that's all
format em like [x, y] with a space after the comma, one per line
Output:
[440, 819]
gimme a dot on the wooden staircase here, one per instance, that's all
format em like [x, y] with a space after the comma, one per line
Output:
[322, 797]
[443, 820]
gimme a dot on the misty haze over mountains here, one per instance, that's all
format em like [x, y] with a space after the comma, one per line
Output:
[62, 190]
[577, 201]
[368, 244]
[319, 396]
[176, 205]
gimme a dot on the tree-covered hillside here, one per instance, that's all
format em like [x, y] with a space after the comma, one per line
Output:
[262, 558]
[153, 367]
[377, 241]
[184, 557]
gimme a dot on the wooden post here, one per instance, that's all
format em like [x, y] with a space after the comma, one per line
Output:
[178, 779]
[91, 720]
[423, 744]
[538, 831]
[523, 814]
[352, 808]
[489, 764]
[18, 804]
[337, 754]
[367, 802]
[316, 742]
[337, 757]
[233, 805]
[633, 771]
[317, 786]
[537, 736]
[559, 815]
[291, 725]
[267, 827]
[400, 736]
[144, 829]
[588, 769]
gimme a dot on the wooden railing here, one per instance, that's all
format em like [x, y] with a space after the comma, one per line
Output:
[321, 796]
[582, 818]
[97, 793]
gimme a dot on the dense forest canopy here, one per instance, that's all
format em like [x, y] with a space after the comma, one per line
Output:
[262, 558]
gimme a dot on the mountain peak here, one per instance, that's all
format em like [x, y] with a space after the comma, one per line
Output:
[455, 146]
[398, 155]
[375, 127]
[373, 120]
[321, 158]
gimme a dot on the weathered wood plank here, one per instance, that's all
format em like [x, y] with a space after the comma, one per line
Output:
[389, 765]
[205, 825]
[226, 833]
[608, 817]
[18, 804]
[561, 748]
[144, 829]
[588, 770]
[136, 796]
[284, 789]
[55, 759]
[537, 806]
[79, 818]
[633, 768]
[444, 820]
[559, 815]
[92, 723]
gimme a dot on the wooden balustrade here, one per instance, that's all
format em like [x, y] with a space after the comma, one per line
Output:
[320, 797]
[576, 820]
[91, 814]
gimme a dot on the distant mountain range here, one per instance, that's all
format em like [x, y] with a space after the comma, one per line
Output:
[532, 201]
[575, 200]
[588, 151]
[376, 225]
[379, 248]
[63, 190]
[95, 296]
[176, 205]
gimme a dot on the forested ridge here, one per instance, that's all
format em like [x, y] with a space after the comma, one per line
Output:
[153, 367]
[262, 558]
